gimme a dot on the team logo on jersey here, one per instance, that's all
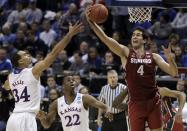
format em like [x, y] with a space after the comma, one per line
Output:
[145, 61]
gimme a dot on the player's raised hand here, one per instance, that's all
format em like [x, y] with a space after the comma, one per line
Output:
[167, 52]
[76, 28]
[87, 13]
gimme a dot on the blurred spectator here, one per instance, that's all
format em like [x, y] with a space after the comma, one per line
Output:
[7, 105]
[51, 84]
[178, 56]
[71, 16]
[23, 27]
[15, 15]
[78, 66]
[61, 63]
[20, 42]
[83, 48]
[109, 63]
[33, 14]
[8, 36]
[174, 41]
[171, 13]
[78, 85]
[5, 63]
[3, 16]
[35, 44]
[94, 60]
[180, 21]
[162, 28]
[48, 35]
[56, 25]
[35, 28]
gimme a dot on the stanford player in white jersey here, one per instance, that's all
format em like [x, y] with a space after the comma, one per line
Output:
[72, 108]
[24, 84]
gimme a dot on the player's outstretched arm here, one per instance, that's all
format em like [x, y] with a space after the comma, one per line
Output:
[47, 119]
[44, 64]
[89, 100]
[170, 67]
[175, 94]
[118, 101]
[112, 44]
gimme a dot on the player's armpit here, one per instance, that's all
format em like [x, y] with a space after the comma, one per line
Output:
[89, 100]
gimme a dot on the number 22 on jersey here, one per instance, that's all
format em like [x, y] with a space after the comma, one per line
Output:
[140, 70]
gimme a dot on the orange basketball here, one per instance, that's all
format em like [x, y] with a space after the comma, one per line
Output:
[99, 13]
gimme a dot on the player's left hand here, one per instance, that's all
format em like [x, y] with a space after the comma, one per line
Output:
[178, 117]
[167, 51]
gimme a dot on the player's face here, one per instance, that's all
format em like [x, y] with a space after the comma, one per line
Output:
[69, 83]
[25, 58]
[112, 79]
[137, 39]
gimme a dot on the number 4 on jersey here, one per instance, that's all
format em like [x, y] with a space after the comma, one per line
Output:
[140, 70]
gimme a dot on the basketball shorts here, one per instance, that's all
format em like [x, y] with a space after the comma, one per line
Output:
[22, 122]
[148, 111]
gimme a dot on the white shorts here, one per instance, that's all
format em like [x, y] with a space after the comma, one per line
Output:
[22, 122]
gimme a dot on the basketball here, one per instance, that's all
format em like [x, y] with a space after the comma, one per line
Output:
[99, 13]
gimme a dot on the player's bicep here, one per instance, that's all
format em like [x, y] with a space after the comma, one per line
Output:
[164, 66]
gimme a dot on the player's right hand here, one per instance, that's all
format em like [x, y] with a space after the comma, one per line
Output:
[87, 13]
[41, 115]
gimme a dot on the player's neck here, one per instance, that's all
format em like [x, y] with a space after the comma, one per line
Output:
[139, 51]
[69, 97]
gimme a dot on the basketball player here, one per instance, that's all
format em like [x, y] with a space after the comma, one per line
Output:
[72, 108]
[172, 118]
[140, 65]
[24, 83]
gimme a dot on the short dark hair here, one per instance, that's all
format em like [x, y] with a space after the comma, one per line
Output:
[15, 60]
[145, 34]
[66, 75]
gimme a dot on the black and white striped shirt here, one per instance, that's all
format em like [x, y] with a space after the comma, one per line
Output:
[108, 94]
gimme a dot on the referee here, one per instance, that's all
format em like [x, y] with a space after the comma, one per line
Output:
[107, 96]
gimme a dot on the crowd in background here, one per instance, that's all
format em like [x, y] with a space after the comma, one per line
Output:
[36, 26]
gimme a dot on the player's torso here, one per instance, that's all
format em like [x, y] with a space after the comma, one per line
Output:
[26, 91]
[73, 116]
[140, 76]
